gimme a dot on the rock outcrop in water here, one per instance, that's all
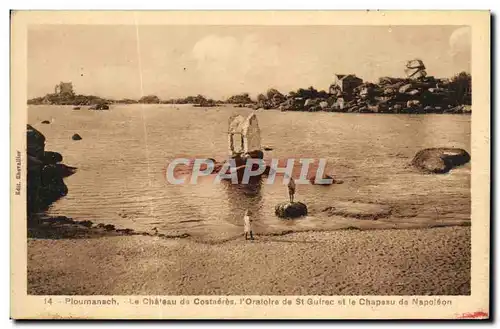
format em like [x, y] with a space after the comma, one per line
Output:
[51, 157]
[244, 136]
[440, 160]
[329, 180]
[244, 143]
[45, 174]
[290, 209]
[76, 137]
[99, 107]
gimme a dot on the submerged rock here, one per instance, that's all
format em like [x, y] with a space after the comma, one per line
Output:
[440, 160]
[45, 173]
[35, 142]
[290, 210]
[46, 122]
[358, 210]
[109, 227]
[99, 107]
[86, 223]
[76, 137]
[313, 180]
[256, 154]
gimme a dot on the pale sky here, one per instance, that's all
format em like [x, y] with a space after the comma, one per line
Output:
[123, 61]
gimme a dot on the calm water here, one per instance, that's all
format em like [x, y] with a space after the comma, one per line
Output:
[124, 152]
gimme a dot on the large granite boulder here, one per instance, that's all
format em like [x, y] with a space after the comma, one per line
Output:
[323, 104]
[440, 160]
[51, 157]
[45, 174]
[290, 210]
[52, 187]
[405, 88]
[35, 142]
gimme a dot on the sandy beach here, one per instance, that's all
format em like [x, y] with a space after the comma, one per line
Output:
[433, 261]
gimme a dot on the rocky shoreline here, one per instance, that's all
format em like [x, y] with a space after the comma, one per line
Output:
[418, 93]
[45, 175]
[45, 185]
[62, 227]
[390, 95]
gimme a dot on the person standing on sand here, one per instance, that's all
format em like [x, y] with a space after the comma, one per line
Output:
[248, 225]
[291, 189]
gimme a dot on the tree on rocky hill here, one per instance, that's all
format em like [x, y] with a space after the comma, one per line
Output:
[243, 98]
[272, 92]
[461, 86]
[150, 99]
[261, 98]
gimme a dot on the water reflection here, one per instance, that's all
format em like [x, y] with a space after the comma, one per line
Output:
[241, 197]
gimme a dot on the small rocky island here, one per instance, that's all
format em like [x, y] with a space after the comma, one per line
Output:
[290, 209]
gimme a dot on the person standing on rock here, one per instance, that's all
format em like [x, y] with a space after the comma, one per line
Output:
[248, 225]
[291, 189]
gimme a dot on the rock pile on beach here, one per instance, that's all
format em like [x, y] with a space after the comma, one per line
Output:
[394, 95]
[45, 173]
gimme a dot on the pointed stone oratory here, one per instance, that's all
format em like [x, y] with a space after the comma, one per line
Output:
[244, 137]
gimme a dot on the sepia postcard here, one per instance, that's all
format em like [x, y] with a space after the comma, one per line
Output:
[250, 164]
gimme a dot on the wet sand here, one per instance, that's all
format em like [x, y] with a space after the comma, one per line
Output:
[433, 261]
